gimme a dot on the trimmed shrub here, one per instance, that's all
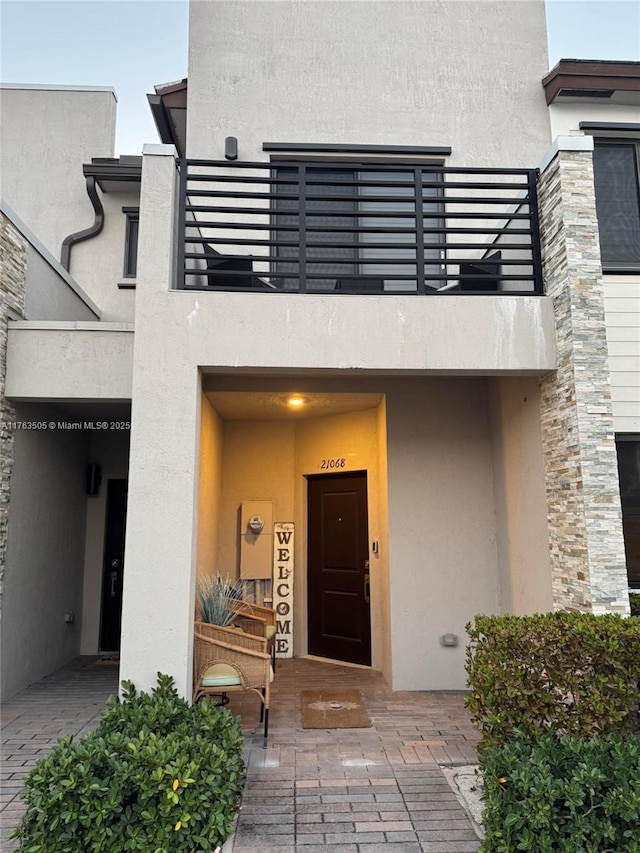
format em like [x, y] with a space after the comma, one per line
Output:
[558, 794]
[157, 775]
[575, 672]
[634, 600]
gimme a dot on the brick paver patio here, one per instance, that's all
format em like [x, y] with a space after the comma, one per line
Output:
[348, 790]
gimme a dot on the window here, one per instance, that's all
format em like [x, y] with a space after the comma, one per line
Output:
[629, 473]
[616, 165]
[356, 205]
[131, 241]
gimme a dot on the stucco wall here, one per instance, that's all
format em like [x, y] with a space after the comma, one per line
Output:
[99, 262]
[463, 74]
[209, 489]
[47, 133]
[519, 488]
[49, 296]
[566, 118]
[380, 561]
[45, 551]
[257, 466]
[69, 361]
[442, 529]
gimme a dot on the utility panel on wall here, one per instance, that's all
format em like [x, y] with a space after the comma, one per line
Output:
[256, 540]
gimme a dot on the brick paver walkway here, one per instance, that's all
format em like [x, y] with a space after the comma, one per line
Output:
[343, 790]
[69, 701]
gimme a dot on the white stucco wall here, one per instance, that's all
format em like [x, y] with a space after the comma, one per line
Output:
[442, 529]
[51, 292]
[519, 489]
[47, 133]
[258, 465]
[380, 561]
[209, 489]
[49, 296]
[463, 74]
[69, 361]
[566, 118]
[99, 262]
[45, 551]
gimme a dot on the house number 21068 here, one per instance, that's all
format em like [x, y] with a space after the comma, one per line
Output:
[333, 463]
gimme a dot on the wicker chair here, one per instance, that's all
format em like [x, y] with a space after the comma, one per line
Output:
[258, 620]
[226, 660]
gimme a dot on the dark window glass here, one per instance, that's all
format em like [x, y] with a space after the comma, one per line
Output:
[326, 183]
[629, 473]
[618, 204]
[131, 244]
[352, 198]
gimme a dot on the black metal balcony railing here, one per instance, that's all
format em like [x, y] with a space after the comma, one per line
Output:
[357, 228]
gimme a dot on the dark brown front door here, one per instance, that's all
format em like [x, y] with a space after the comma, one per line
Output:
[113, 565]
[338, 568]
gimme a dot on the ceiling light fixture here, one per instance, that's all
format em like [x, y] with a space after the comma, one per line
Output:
[296, 402]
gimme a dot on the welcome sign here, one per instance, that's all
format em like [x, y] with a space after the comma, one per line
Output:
[283, 541]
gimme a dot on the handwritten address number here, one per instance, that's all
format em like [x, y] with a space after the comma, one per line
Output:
[333, 463]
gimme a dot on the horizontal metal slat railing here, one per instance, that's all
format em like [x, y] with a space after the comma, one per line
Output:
[367, 227]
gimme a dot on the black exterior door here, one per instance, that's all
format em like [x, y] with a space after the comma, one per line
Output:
[338, 568]
[113, 565]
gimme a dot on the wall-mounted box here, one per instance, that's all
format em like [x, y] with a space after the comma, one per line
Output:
[256, 547]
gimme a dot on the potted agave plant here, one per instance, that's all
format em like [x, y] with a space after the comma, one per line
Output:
[219, 599]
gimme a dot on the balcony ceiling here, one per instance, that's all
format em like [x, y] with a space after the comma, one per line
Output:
[273, 406]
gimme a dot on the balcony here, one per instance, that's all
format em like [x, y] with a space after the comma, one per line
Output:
[358, 228]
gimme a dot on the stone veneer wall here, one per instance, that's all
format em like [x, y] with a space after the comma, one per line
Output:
[13, 276]
[583, 496]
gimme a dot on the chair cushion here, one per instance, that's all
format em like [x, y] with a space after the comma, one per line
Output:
[270, 631]
[221, 675]
[224, 675]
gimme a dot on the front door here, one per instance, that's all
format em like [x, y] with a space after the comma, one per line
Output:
[338, 568]
[113, 565]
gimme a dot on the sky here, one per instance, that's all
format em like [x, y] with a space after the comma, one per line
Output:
[133, 45]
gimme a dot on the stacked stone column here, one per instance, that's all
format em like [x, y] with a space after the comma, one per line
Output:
[13, 274]
[583, 497]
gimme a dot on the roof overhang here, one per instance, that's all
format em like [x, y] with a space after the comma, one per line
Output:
[169, 110]
[114, 174]
[594, 80]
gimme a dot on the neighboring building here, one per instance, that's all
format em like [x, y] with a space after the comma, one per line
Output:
[452, 448]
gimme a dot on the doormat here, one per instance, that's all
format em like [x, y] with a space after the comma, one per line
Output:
[333, 709]
[108, 660]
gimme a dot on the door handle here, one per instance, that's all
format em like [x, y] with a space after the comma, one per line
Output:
[114, 578]
[367, 589]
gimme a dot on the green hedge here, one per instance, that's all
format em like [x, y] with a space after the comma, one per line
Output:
[634, 599]
[576, 672]
[562, 795]
[157, 775]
